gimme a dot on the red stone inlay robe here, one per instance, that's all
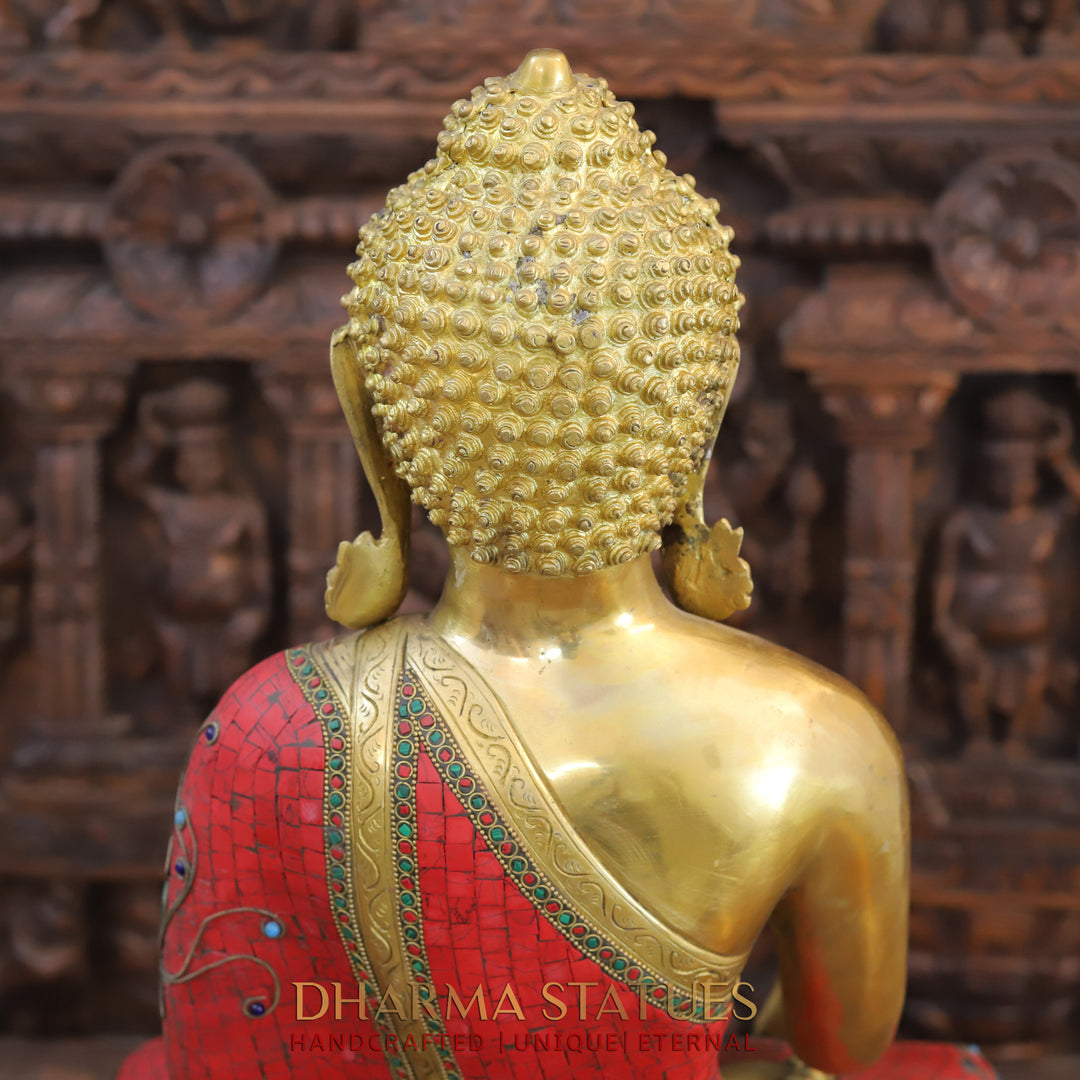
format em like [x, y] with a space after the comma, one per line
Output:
[253, 907]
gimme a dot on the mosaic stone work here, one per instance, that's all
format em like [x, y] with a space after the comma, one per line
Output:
[339, 874]
[419, 724]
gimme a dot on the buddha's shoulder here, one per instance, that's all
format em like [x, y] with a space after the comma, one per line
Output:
[743, 690]
[265, 724]
[285, 689]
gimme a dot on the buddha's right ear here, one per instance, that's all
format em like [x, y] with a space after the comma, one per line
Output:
[370, 578]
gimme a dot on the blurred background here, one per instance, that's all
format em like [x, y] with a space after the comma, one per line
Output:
[181, 182]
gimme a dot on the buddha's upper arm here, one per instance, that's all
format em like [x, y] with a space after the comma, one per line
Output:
[842, 929]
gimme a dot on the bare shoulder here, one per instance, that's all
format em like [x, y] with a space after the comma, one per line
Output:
[774, 712]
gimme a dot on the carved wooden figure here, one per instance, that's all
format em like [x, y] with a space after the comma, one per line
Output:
[215, 593]
[992, 596]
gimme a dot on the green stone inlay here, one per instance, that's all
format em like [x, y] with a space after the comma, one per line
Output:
[306, 670]
[497, 833]
[321, 694]
[337, 872]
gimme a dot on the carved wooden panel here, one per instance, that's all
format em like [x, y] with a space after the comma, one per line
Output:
[180, 188]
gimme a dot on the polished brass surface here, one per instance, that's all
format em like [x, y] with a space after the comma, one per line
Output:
[368, 581]
[544, 317]
[723, 783]
[701, 565]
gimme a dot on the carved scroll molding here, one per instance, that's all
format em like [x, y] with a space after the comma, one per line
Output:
[874, 323]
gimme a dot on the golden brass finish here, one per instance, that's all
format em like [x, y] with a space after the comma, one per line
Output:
[525, 798]
[716, 781]
[362, 672]
[701, 566]
[544, 316]
[370, 577]
[543, 71]
[723, 781]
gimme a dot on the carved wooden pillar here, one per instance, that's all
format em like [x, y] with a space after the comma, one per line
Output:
[323, 492]
[69, 413]
[882, 426]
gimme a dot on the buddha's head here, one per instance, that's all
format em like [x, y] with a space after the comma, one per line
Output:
[543, 327]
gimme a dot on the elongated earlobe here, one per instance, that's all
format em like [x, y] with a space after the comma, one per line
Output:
[701, 565]
[370, 578]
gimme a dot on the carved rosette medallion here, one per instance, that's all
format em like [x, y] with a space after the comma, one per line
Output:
[1007, 239]
[190, 233]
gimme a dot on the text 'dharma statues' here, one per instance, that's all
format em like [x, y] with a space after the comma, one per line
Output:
[537, 831]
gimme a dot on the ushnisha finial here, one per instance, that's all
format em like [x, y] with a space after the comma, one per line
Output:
[540, 348]
[543, 71]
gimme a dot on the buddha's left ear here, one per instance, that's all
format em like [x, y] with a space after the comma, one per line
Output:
[701, 566]
[370, 578]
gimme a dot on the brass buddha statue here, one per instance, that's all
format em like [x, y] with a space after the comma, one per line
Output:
[538, 831]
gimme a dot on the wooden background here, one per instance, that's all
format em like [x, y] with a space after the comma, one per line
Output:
[180, 188]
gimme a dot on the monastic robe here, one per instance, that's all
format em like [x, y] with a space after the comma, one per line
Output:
[369, 877]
